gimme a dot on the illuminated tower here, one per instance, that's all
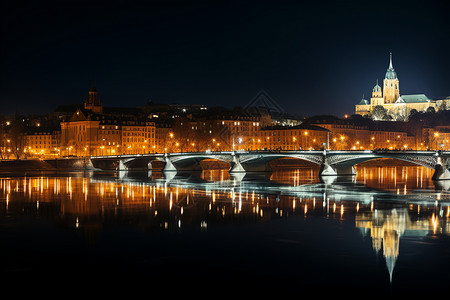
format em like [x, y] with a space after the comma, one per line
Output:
[390, 85]
[377, 96]
[93, 102]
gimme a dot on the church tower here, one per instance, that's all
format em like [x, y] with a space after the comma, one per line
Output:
[377, 96]
[93, 102]
[390, 85]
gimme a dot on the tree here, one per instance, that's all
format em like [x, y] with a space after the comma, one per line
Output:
[399, 117]
[412, 113]
[379, 113]
[17, 137]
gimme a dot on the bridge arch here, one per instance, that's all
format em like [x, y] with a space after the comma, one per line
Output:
[192, 162]
[344, 163]
[351, 160]
[261, 162]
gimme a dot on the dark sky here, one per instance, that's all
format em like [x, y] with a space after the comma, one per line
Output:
[311, 57]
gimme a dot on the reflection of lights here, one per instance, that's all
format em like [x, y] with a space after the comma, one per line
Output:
[203, 224]
[434, 222]
[89, 195]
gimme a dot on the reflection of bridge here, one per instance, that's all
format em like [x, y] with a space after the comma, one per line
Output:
[332, 163]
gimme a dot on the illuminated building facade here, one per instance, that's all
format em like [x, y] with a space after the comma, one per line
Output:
[109, 136]
[138, 136]
[242, 132]
[163, 137]
[349, 134]
[43, 144]
[398, 106]
[299, 137]
[93, 131]
[79, 135]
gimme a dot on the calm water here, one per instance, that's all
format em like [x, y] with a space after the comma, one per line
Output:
[382, 233]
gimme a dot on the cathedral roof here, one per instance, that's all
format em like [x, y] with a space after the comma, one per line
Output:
[363, 102]
[417, 98]
[376, 88]
[390, 73]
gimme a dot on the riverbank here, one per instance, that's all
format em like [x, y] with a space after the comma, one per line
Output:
[25, 165]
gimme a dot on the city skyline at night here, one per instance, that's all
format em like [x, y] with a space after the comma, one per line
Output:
[229, 146]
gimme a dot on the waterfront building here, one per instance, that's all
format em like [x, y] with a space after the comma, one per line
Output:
[95, 130]
[300, 137]
[42, 143]
[138, 136]
[436, 138]
[109, 136]
[79, 134]
[163, 137]
[397, 106]
[363, 134]
[242, 131]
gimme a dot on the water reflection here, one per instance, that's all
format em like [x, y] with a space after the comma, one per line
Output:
[386, 204]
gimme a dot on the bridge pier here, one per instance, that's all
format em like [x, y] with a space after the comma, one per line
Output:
[121, 166]
[168, 167]
[236, 166]
[441, 171]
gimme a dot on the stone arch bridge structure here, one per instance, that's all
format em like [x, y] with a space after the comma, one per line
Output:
[332, 163]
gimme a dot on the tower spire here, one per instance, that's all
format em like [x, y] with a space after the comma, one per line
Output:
[390, 61]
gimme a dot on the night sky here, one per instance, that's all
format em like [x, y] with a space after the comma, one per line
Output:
[311, 57]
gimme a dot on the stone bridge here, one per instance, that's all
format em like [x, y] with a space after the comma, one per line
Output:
[332, 163]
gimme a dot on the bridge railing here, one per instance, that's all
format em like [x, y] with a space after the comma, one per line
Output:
[376, 151]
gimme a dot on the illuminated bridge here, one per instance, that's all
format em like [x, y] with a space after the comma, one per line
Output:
[332, 163]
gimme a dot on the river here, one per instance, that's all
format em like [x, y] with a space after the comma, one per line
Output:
[382, 232]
